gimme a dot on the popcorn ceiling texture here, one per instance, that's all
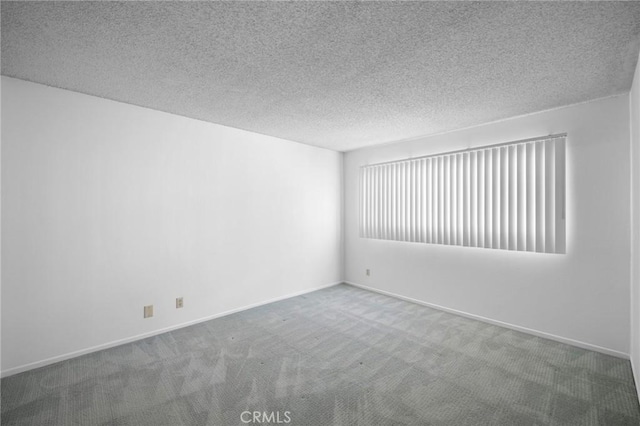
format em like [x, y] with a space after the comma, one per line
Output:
[338, 75]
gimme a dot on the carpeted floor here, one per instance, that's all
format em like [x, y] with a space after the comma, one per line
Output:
[338, 356]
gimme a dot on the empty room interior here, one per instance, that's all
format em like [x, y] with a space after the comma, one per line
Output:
[320, 213]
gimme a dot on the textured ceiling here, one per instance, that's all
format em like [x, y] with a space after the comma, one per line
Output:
[338, 75]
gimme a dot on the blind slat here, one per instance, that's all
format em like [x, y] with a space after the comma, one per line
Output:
[531, 197]
[488, 199]
[560, 214]
[522, 198]
[513, 198]
[481, 198]
[440, 201]
[446, 193]
[540, 196]
[473, 207]
[465, 199]
[504, 198]
[414, 197]
[433, 200]
[496, 198]
[453, 213]
[460, 199]
[550, 196]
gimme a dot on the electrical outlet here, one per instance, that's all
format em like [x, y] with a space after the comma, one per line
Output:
[368, 272]
[148, 311]
[179, 303]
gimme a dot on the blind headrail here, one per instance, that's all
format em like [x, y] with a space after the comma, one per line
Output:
[458, 151]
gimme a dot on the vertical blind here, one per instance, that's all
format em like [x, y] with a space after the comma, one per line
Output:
[507, 196]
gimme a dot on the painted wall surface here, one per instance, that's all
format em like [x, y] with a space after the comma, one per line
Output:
[634, 100]
[107, 207]
[1, 230]
[581, 296]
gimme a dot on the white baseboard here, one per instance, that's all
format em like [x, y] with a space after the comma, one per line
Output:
[53, 360]
[560, 339]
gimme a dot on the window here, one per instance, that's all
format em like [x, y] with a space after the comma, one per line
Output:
[507, 196]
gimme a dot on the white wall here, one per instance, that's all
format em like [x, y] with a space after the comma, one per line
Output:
[582, 296]
[1, 236]
[634, 99]
[107, 207]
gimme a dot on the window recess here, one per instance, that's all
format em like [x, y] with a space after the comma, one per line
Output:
[508, 196]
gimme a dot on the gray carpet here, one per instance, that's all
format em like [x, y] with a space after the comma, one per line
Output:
[339, 356]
